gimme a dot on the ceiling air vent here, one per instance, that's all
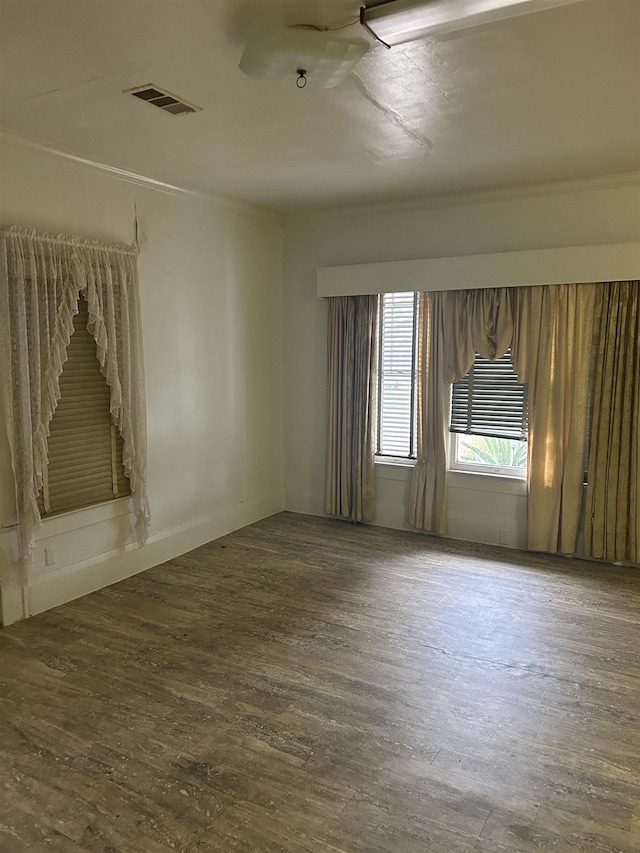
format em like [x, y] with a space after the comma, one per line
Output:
[163, 100]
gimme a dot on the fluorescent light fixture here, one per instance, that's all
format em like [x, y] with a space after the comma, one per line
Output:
[397, 21]
[301, 56]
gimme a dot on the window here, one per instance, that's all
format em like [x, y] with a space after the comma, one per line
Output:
[396, 424]
[38, 295]
[85, 447]
[489, 419]
[489, 414]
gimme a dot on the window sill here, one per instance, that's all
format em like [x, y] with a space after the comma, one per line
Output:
[391, 468]
[76, 519]
[480, 481]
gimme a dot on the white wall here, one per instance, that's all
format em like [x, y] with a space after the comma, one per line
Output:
[211, 294]
[593, 213]
[215, 336]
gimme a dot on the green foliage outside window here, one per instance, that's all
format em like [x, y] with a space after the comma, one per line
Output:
[495, 452]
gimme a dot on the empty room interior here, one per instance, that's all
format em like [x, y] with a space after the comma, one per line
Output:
[320, 434]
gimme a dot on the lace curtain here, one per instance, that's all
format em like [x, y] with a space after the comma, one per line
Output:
[41, 277]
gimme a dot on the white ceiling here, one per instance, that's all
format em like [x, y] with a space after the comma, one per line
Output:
[548, 96]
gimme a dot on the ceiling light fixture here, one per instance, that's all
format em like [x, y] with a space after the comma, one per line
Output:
[397, 21]
[304, 55]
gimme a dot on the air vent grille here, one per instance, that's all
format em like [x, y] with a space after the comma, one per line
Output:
[163, 100]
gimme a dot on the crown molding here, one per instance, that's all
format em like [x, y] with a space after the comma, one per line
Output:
[330, 211]
[468, 197]
[18, 140]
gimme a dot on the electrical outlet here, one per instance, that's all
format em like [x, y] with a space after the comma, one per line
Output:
[50, 557]
[504, 537]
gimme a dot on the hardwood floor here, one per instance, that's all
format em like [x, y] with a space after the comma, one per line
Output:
[308, 686]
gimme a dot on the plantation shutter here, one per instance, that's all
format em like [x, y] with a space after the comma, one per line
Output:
[490, 401]
[396, 433]
[85, 447]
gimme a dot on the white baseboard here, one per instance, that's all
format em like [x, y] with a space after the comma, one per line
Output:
[56, 588]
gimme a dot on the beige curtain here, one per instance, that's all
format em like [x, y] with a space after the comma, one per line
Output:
[612, 527]
[550, 351]
[477, 321]
[452, 326]
[351, 372]
[427, 502]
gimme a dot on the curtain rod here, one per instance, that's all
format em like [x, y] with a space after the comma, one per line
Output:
[66, 240]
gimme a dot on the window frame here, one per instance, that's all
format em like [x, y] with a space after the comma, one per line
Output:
[381, 457]
[479, 467]
[453, 464]
[64, 453]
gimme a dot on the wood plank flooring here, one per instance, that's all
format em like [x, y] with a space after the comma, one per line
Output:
[308, 686]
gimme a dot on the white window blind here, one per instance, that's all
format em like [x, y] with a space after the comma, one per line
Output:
[396, 428]
[490, 401]
[85, 447]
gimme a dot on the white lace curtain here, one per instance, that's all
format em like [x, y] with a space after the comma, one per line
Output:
[41, 278]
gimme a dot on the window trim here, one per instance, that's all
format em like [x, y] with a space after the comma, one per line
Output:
[389, 460]
[80, 383]
[380, 456]
[397, 461]
[484, 469]
[108, 275]
[69, 520]
[453, 464]
[489, 401]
